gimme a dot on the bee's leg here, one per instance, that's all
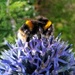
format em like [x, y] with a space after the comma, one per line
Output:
[29, 36]
[39, 35]
[28, 39]
[40, 32]
[50, 30]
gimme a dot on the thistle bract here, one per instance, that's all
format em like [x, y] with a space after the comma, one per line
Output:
[44, 56]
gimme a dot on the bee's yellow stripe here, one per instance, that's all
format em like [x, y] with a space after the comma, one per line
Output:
[29, 24]
[49, 23]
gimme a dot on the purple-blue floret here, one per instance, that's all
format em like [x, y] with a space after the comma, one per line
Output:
[44, 56]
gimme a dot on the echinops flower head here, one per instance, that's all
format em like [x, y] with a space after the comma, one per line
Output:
[44, 56]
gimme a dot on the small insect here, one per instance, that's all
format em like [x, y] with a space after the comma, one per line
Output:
[31, 27]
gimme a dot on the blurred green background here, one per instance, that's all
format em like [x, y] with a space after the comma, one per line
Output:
[14, 12]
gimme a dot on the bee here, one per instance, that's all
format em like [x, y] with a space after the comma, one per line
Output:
[40, 25]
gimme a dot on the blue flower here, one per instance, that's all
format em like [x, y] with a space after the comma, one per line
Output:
[44, 56]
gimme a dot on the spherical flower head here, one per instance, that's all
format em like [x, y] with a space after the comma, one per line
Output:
[44, 56]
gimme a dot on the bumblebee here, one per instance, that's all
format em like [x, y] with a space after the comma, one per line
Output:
[31, 27]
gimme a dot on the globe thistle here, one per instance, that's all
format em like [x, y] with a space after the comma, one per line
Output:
[44, 56]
